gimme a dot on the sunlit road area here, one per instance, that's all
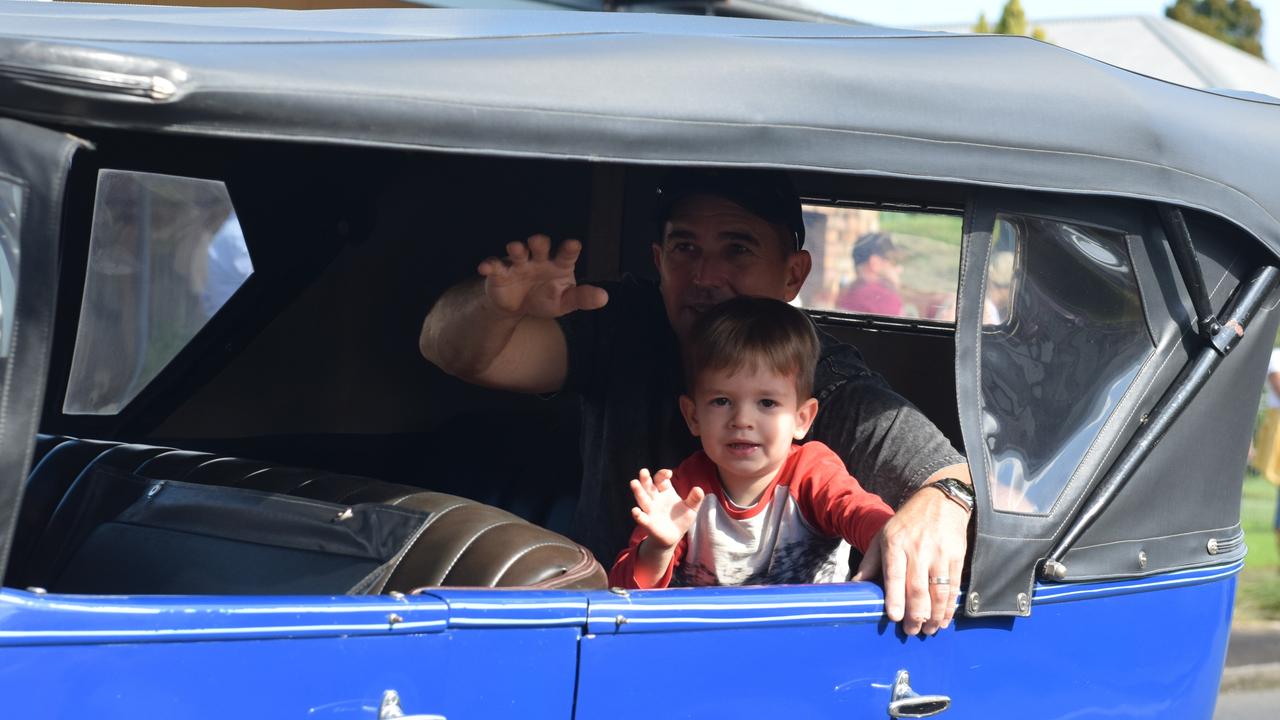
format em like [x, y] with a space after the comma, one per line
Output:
[1248, 705]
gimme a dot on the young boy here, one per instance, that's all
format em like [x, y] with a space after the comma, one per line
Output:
[753, 507]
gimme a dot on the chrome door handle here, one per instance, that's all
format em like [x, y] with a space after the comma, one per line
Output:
[907, 703]
[391, 709]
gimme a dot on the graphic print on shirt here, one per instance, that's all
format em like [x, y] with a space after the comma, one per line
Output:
[771, 544]
[812, 560]
[799, 531]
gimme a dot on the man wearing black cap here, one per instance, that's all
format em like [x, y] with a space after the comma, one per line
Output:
[526, 325]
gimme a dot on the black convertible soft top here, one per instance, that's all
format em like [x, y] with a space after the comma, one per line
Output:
[987, 109]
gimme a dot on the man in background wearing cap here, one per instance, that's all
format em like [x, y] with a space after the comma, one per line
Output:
[526, 325]
[875, 290]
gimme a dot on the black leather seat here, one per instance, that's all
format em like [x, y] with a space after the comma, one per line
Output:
[102, 517]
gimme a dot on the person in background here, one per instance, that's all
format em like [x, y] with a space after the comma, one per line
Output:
[999, 296]
[1267, 442]
[875, 291]
[995, 308]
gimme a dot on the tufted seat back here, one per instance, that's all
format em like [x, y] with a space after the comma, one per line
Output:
[93, 510]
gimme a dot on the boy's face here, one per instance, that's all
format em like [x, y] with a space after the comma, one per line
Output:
[747, 420]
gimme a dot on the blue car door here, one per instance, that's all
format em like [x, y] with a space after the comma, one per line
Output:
[1100, 650]
[818, 651]
[450, 655]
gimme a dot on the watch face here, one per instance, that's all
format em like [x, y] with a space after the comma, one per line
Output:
[958, 490]
[960, 486]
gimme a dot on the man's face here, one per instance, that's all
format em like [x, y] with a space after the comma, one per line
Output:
[886, 269]
[712, 250]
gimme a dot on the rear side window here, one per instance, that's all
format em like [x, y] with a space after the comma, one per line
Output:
[1063, 338]
[165, 254]
[890, 263]
[11, 196]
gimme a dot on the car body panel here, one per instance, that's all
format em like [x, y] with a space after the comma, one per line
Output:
[829, 653]
[210, 657]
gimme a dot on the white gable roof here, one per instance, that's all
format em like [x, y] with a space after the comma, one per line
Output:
[1161, 48]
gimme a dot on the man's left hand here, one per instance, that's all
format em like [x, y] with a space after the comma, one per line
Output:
[921, 551]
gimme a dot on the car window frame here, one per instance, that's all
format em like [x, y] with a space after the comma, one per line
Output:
[1007, 544]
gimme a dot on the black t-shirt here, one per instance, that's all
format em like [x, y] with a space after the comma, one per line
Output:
[624, 364]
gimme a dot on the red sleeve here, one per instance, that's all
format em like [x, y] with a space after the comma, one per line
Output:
[833, 501]
[623, 574]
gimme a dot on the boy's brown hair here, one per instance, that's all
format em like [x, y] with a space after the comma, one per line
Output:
[747, 331]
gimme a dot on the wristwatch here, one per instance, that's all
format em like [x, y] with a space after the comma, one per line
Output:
[958, 491]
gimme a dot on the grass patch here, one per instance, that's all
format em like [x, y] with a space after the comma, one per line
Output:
[947, 229]
[1258, 591]
[931, 247]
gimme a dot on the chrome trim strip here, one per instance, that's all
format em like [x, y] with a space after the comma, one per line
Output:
[177, 633]
[615, 616]
[1046, 594]
[612, 615]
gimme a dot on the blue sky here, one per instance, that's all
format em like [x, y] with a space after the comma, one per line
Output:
[909, 13]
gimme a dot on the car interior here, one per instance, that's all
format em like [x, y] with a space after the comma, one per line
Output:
[299, 443]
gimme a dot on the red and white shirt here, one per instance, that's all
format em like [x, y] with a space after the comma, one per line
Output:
[799, 531]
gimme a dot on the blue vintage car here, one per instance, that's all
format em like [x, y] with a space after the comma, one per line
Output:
[231, 487]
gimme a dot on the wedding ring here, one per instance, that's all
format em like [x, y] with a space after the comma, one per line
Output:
[939, 581]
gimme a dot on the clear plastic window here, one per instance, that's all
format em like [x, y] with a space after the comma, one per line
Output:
[11, 196]
[881, 262]
[1063, 338]
[165, 254]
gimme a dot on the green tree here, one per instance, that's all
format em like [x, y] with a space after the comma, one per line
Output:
[1013, 21]
[1235, 22]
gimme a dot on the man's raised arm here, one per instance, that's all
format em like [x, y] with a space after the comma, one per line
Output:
[500, 330]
